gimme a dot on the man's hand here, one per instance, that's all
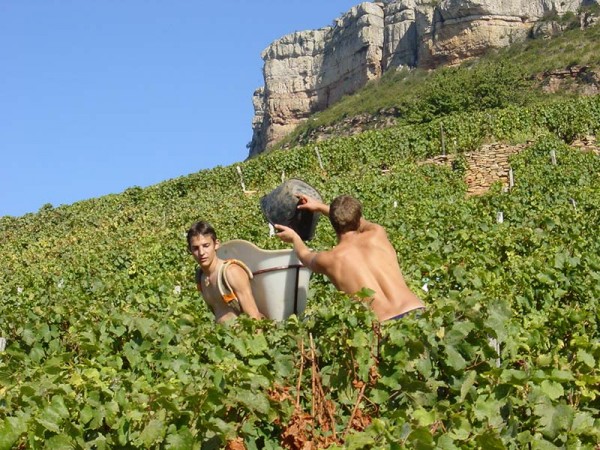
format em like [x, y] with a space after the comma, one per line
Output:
[286, 234]
[305, 255]
[311, 204]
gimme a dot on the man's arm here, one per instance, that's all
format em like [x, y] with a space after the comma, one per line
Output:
[240, 283]
[308, 257]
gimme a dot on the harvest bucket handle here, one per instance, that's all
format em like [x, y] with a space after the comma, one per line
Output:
[291, 266]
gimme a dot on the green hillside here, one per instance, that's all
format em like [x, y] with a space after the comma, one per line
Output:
[108, 344]
[510, 76]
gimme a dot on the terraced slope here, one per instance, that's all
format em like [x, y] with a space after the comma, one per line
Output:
[109, 346]
[105, 343]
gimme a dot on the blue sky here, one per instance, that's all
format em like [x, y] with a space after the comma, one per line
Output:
[100, 95]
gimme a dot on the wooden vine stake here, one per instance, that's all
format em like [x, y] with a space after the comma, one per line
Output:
[553, 156]
[442, 139]
[319, 158]
[239, 171]
[495, 344]
[500, 217]
[2, 344]
[511, 178]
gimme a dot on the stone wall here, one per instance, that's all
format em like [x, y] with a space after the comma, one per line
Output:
[308, 71]
[485, 166]
[491, 163]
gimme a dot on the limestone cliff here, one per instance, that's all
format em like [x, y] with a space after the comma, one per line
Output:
[307, 71]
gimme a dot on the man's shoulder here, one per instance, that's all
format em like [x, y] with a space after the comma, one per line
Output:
[235, 269]
[366, 227]
[374, 232]
[325, 254]
[374, 227]
[321, 260]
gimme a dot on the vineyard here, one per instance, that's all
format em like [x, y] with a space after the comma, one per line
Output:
[108, 344]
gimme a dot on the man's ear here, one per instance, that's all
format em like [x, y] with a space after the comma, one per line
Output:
[217, 244]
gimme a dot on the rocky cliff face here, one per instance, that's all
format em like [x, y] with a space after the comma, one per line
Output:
[305, 72]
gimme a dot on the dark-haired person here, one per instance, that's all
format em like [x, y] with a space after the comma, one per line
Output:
[363, 257]
[224, 284]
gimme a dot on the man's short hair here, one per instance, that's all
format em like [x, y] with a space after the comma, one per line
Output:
[345, 213]
[201, 228]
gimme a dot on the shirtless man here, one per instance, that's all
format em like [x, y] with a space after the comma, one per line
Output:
[363, 257]
[203, 244]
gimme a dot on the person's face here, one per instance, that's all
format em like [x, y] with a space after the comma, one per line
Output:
[203, 249]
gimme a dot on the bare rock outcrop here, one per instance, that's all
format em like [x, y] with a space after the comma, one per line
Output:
[306, 72]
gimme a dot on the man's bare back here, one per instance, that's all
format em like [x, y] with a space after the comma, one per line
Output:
[363, 258]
